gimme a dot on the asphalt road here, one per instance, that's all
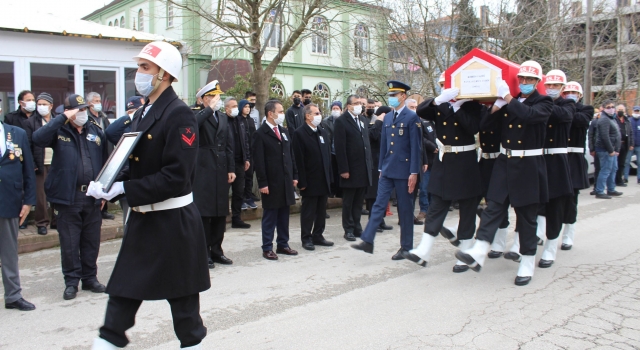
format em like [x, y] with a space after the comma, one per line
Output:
[339, 298]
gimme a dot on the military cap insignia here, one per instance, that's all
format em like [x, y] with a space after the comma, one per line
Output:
[390, 85]
[80, 99]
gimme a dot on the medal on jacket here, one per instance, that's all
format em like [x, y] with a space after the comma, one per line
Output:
[401, 130]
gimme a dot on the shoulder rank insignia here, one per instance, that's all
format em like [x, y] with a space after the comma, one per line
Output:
[96, 124]
[419, 124]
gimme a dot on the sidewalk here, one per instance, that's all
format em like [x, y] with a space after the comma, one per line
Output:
[30, 241]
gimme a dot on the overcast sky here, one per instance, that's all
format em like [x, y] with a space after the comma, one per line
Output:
[63, 8]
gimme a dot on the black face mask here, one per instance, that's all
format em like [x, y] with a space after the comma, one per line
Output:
[620, 113]
[296, 101]
[307, 101]
[369, 112]
[252, 105]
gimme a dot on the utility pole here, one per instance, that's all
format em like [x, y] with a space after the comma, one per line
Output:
[588, 55]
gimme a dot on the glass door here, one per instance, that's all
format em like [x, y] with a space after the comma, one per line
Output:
[104, 81]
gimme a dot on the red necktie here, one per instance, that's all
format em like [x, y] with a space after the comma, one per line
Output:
[275, 129]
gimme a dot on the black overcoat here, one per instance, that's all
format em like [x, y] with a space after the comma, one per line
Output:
[353, 151]
[313, 161]
[457, 176]
[215, 161]
[163, 253]
[522, 126]
[375, 131]
[578, 165]
[275, 166]
[489, 136]
[557, 136]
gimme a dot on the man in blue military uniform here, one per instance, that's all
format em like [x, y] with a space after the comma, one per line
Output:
[400, 161]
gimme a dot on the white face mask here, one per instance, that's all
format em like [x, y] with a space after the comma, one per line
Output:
[30, 106]
[97, 107]
[317, 119]
[234, 112]
[144, 83]
[81, 118]
[335, 113]
[553, 93]
[280, 119]
[218, 106]
[43, 110]
[357, 109]
[636, 115]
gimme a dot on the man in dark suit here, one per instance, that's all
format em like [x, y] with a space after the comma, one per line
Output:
[519, 176]
[242, 159]
[16, 167]
[400, 163]
[313, 160]
[353, 155]
[277, 176]
[215, 171]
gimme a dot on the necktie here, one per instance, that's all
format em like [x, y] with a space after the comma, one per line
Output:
[275, 129]
[395, 115]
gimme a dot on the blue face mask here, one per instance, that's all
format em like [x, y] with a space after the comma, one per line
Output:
[393, 102]
[526, 89]
[573, 97]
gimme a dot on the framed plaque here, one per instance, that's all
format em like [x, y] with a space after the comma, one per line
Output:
[116, 160]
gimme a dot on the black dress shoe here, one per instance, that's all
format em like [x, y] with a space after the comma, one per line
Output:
[42, 230]
[108, 216]
[522, 281]
[460, 268]
[622, 184]
[400, 255]
[446, 233]
[269, 255]
[211, 264]
[494, 255]
[364, 246]
[70, 293]
[222, 260]
[240, 224]
[385, 226]
[467, 259]
[545, 263]
[593, 193]
[365, 212]
[602, 196]
[286, 251]
[416, 259]
[322, 242]
[21, 305]
[308, 246]
[23, 226]
[349, 236]
[513, 256]
[614, 193]
[540, 241]
[379, 230]
[417, 221]
[565, 246]
[327, 216]
[357, 234]
[394, 202]
[95, 287]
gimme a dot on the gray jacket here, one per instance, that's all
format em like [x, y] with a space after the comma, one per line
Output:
[608, 134]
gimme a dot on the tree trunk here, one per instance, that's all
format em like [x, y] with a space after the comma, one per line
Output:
[261, 85]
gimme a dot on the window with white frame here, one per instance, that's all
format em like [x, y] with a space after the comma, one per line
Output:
[116, 23]
[320, 36]
[272, 32]
[322, 90]
[141, 20]
[278, 89]
[170, 12]
[122, 22]
[361, 36]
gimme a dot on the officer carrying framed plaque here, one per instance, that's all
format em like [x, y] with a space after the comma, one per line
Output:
[117, 159]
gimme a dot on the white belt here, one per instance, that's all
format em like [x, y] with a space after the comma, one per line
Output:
[442, 148]
[575, 149]
[171, 203]
[493, 155]
[555, 150]
[520, 153]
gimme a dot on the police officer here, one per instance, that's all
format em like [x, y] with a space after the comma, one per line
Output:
[400, 162]
[578, 166]
[79, 152]
[215, 172]
[455, 175]
[519, 175]
[16, 167]
[164, 254]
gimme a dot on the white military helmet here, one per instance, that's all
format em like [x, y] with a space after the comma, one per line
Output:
[165, 55]
[441, 79]
[573, 86]
[555, 76]
[530, 69]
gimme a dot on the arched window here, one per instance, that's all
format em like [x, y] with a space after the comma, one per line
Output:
[320, 36]
[362, 91]
[116, 23]
[141, 20]
[272, 32]
[278, 89]
[122, 22]
[322, 90]
[110, 24]
[361, 36]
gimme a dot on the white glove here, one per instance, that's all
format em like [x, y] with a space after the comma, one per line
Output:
[500, 103]
[503, 88]
[456, 105]
[95, 190]
[446, 95]
[116, 189]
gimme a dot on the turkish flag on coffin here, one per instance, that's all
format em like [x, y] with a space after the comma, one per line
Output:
[475, 75]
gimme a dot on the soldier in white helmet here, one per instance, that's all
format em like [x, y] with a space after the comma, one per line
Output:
[519, 176]
[163, 254]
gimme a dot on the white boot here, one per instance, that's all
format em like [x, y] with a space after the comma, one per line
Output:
[500, 240]
[464, 246]
[549, 253]
[423, 250]
[567, 236]
[101, 344]
[525, 271]
[478, 253]
[451, 233]
[514, 252]
[541, 232]
[195, 347]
